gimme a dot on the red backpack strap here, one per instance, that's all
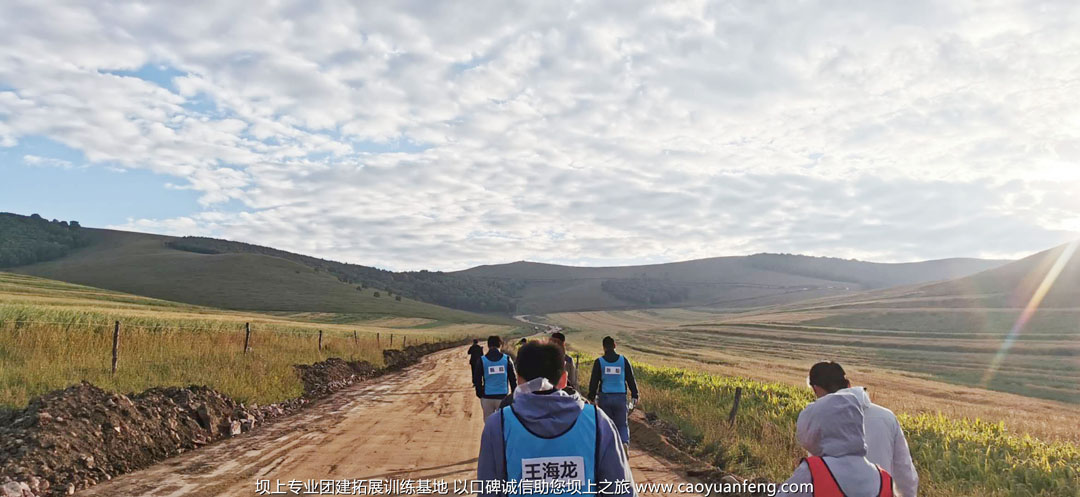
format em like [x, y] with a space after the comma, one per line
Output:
[886, 483]
[821, 476]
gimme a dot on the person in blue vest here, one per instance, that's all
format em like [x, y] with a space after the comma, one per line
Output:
[551, 438]
[493, 376]
[611, 375]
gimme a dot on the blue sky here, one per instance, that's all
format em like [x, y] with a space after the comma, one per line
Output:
[94, 196]
[606, 133]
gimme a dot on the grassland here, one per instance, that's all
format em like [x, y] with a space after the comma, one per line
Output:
[141, 264]
[53, 334]
[954, 456]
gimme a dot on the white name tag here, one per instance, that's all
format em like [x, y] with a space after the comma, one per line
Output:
[612, 370]
[567, 469]
[496, 369]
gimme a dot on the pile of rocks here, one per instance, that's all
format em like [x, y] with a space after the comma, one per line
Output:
[71, 439]
[333, 374]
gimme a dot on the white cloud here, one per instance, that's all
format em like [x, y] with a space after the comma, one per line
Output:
[421, 135]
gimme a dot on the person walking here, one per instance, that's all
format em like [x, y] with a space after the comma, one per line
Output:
[493, 376]
[550, 437]
[886, 444]
[571, 369]
[475, 352]
[611, 375]
[831, 430]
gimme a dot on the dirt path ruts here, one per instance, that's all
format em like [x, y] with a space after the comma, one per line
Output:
[420, 423]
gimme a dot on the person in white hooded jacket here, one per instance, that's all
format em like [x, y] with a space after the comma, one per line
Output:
[831, 430]
[886, 445]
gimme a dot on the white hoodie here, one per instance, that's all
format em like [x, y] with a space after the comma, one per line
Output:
[832, 427]
[885, 443]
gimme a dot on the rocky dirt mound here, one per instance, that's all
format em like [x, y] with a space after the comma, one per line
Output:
[332, 375]
[399, 359]
[70, 439]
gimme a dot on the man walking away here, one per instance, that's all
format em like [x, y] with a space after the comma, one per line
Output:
[571, 369]
[493, 376]
[475, 352]
[831, 430]
[550, 437]
[611, 374]
[886, 445]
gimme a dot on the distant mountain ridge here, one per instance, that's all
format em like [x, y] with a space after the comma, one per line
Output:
[236, 275]
[724, 282]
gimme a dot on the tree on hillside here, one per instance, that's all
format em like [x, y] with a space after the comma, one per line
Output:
[29, 239]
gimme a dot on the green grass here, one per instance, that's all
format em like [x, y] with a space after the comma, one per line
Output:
[141, 264]
[55, 334]
[954, 457]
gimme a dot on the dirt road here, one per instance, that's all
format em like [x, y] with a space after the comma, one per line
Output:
[420, 423]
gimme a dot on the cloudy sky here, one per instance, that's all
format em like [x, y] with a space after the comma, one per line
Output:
[441, 135]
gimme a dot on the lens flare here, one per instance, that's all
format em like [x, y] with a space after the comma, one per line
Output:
[1029, 310]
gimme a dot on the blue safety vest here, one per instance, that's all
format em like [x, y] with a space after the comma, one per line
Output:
[568, 459]
[613, 375]
[495, 380]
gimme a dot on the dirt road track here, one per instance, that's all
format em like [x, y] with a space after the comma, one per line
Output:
[420, 423]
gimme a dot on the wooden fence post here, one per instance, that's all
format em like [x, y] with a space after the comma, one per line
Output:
[391, 339]
[115, 346]
[320, 340]
[247, 336]
[378, 339]
[356, 339]
[403, 340]
[735, 407]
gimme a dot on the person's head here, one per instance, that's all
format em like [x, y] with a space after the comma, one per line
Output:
[827, 377]
[475, 341]
[832, 426]
[538, 359]
[559, 337]
[494, 342]
[609, 344]
[523, 341]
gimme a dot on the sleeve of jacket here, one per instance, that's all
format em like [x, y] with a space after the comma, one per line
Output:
[630, 381]
[511, 375]
[594, 380]
[613, 464]
[904, 474]
[490, 464]
[478, 377]
[800, 477]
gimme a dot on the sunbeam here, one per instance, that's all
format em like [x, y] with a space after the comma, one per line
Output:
[1029, 310]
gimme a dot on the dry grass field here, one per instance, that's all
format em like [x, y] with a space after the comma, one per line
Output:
[53, 334]
[942, 375]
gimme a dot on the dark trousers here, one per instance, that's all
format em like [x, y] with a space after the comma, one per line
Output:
[614, 405]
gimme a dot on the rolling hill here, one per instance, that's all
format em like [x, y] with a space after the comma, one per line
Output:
[144, 264]
[721, 282]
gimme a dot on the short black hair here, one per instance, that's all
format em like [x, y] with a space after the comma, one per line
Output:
[475, 341]
[829, 376]
[494, 341]
[609, 343]
[559, 336]
[541, 359]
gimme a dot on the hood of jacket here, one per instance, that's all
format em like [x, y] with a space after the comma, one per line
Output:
[860, 394]
[546, 414]
[833, 426]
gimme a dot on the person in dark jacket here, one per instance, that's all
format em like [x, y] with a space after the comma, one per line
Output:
[493, 376]
[571, 369]
[549, 436]
[475, 352]
[611, 375]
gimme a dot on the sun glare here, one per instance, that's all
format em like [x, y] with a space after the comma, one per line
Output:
[1029, 310]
